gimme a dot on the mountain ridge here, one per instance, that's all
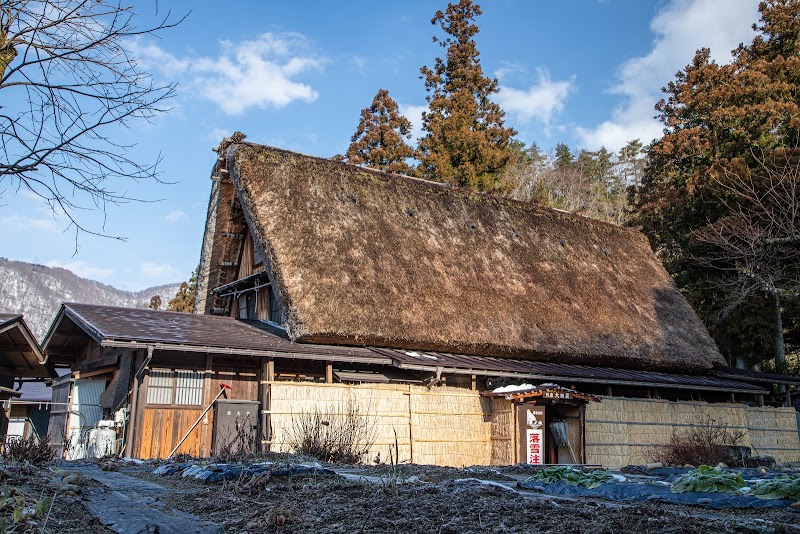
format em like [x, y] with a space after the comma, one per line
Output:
[37, 291]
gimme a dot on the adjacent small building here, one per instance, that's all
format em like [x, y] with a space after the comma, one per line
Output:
[466, 328]
[21, 359]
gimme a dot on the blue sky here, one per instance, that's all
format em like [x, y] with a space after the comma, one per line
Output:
[296, 75]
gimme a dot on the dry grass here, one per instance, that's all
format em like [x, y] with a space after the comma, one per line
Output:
[333, 437]
[705, 444]
[32, 450]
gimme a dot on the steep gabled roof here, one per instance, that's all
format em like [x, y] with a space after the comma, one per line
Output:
[363, 257]
[19, 349]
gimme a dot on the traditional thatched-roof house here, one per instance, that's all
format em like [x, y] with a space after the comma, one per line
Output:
[357, 256]
[325, 286]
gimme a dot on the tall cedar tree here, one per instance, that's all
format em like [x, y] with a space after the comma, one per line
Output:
[465, 141]
[379, 141]
[717, 117]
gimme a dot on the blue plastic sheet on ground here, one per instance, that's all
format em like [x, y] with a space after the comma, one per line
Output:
[640, 492]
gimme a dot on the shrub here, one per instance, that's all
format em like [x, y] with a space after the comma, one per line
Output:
[332, 437]
[707, 443]
[32, 449]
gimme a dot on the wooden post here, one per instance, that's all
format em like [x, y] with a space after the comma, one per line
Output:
[760, 399]
[138, 400]
[329, 372]
[141, 402]
[788, 397]
[130, 431]
[410, 429]
[474, 383]
[265, 401]
[205, 431]
[609, 391]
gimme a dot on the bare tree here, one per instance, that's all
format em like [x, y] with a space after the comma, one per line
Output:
[67, 78]
[757, 246]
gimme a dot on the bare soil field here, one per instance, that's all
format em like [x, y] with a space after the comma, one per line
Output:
[406, 498]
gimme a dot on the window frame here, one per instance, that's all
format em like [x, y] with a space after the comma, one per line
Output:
[177, 391]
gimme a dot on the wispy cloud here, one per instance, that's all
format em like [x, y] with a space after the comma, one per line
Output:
[83, 269]
[175, 216]
[16, 221]
[159, 271]
[681, 27]
[540, 102]
[261, 72]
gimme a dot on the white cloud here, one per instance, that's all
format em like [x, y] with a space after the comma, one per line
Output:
[509, 67]
[16, 221]
[160, 271]
[83, 269]
[175, 216]
[681, 27]
[414, 114]
[359, 63]
[256, 73]
[544, 99]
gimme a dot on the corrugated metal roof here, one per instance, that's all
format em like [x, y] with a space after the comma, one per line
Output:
[429, 361]
[756, 376]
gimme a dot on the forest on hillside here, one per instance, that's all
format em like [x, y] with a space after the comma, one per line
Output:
[718, 195]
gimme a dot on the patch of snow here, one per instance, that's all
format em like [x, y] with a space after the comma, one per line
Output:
[418, 355]
[512, 389]
[484, 482]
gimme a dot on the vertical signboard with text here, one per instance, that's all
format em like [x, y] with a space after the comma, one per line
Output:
[533, 434]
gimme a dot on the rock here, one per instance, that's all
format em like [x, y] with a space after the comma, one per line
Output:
[762, 471]
[74, 479]
[413, 480]
[721, 465]
[425, 478]
[654, 465]
[795, 505]
[688, 466]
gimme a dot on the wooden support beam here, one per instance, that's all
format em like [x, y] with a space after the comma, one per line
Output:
[609, 391]
[474, 383]
[329, 372]
[206, 433]
[760, 400]
[267, 373]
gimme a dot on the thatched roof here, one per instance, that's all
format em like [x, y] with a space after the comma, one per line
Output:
[363, 257]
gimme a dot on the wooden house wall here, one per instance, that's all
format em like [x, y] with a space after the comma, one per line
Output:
[161, 427]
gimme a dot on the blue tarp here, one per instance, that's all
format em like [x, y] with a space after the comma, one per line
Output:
[643, 491]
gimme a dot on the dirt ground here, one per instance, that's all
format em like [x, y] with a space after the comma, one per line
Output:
[442, 501]
[437, 500]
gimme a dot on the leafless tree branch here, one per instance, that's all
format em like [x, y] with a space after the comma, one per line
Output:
[67, 78]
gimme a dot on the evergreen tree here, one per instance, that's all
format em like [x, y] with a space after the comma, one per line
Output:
[380, 139]
[720, 121]
[465, 141]
[183, 301]
[564, 158]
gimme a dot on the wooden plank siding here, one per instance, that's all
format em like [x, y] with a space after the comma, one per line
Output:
[160, 427]
[163, 427]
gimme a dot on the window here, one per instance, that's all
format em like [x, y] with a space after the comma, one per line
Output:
[275, 312]
[175, 387]
[247, 305]
[257, 259]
